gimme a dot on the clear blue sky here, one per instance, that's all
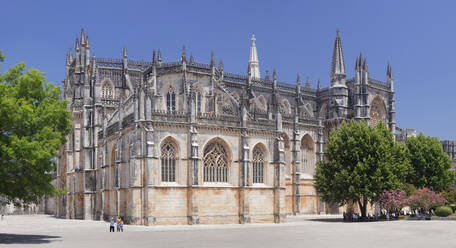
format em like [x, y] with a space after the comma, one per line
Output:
[416, 37]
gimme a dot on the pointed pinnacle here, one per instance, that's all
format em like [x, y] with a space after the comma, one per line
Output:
[212, 59]
[82, 36]
[307, 83]
[77, 45]
[318, 85]
[192, 60]
[159, 56]
[125, 55]
[184, 57]
[87, 41]
[154, 58]
[221, 65]
[274, 75]
[298, 81]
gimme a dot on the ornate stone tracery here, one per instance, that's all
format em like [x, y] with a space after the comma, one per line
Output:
[215, 163]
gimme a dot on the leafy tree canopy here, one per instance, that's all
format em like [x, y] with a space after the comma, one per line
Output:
[431, 165]
[33, 124]
[362, 162]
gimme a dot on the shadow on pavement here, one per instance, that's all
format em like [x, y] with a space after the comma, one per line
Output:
[7, 238]
[327, 220]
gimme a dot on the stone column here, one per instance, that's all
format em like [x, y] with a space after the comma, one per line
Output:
[296, 171]
[279, 187]
[244, 216]
[192, 210]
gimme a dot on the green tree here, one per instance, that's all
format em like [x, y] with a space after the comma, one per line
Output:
[431, 165]
[33, 124]
[361, 163]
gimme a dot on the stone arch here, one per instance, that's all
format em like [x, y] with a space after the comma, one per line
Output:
[107, 89]
[169, 160]
[307, 155]
[216, 161]
[377, 111]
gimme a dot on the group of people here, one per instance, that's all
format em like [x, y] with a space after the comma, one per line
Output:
[354, 217]
[116, 223]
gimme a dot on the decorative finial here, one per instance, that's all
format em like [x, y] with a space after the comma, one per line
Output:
[298, 81]
[159, 56]
[184, 57]
[318, 85]
[253, 38]
[337, 32]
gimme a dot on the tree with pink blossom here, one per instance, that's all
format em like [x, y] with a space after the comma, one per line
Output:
[425, 199]
[393, 201]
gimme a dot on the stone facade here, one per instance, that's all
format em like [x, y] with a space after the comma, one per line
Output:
[449, 146]
[186, 142]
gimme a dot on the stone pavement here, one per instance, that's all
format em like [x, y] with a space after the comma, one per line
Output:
[302, 231]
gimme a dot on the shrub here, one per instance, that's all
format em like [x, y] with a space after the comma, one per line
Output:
[443, 211]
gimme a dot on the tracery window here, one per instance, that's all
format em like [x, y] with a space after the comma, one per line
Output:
[106, 91]
[215, 163]
[258, 165]
[171, 102]
[168, 162]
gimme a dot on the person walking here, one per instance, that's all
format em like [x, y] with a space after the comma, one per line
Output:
[111, 225]
[118, 223]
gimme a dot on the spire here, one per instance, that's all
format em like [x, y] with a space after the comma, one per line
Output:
[77, 45]
[183, 57]
[356, 64]
[318, 85]
[82, 37]
[298, 80]
[159, 56]
[254, 65]
[212, 59]
[125, 55]
[337, 64]
[298, 85]
[192, 60]
[274, 80]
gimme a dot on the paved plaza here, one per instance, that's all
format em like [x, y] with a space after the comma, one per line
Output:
[309, 231]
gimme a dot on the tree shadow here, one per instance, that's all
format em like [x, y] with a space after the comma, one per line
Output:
[8, 238]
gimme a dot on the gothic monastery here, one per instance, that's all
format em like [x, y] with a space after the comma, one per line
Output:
[186, 142]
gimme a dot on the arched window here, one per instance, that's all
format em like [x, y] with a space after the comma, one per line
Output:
[168, 162]
[258, 165]
[171, 102]
[106, 91]
[307, 155]
[215, 163]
